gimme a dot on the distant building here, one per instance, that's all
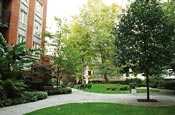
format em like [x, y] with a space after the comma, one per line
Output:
[50, 44]
[50, 47]
[23, 21]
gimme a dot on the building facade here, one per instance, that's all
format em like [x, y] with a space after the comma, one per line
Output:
[23, 21]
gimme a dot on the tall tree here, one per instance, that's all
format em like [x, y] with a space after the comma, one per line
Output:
[67, 57]
[144, 39]
[100, 19]
[56, 41]
[169, 9]
[81, 40]
[89, 40]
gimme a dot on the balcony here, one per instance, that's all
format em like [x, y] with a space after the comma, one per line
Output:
[5, 19]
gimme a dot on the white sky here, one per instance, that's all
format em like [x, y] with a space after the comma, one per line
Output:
[67, 8]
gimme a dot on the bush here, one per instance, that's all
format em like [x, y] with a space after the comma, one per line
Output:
[7, 102]
[34, 96]
[18, 101]
[42, 95]
[156, 81]
[11, 88]
[169, 84]
[60, 90]
[26, 97]
[12, 61]
[1, 103]
[30, 96]
[137, 81]
[65, 91]
[40, 75]
[33, 99]
[143, 83]
[69, 90]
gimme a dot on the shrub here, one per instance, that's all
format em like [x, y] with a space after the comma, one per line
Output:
[60, 90]
[42, 95]
[137, 81]
[7, 102]
[34, 96]
[156, 81]
[12, 63]
[69, 90]
[1, 103]
[169, 84]
[26, 97]
[29, 96]
[18, 101]
[65, 91]
[13, 88]
[33, 99]
[40, 75]
[143, 83]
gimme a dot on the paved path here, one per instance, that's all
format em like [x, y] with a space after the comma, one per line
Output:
[78, 96]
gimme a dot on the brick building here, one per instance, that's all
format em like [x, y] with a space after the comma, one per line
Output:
[23, 21]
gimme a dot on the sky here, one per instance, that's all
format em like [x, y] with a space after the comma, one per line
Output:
[67, 8]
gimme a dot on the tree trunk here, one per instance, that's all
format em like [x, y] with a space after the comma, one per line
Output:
[83, 69]
[147, 84]
[106, 78]
[103, 59]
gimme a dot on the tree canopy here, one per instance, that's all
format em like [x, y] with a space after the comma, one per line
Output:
[144, 41]
[89, 41]
[100, 20]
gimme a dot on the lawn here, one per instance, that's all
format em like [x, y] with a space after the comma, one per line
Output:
[104, 109]
[101, 88]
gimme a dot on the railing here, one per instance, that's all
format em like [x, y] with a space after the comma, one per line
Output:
[5, 18]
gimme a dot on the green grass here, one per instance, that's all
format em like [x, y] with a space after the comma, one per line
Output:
[101, 88]
[104, 109]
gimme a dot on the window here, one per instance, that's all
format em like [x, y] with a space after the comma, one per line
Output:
[21, 39]
[23, 19]
[39, 8]
[36, 45]
[37, 29]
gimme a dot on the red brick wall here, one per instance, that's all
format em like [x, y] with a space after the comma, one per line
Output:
[13, 28]
[44, 20]
[30, 23]
[44, 25]
[12, 31]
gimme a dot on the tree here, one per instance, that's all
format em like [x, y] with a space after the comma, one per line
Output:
[169, 9]
[144, 39]
[100, 19]
[40, 75]
[67, 57]
[81, 43]
[89, 41]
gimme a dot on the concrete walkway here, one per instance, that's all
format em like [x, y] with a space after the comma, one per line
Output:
[78, 96]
